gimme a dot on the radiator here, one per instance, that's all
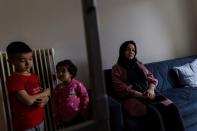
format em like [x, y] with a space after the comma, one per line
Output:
[43, 66]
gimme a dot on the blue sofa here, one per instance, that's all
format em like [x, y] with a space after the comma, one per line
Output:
[185, 98]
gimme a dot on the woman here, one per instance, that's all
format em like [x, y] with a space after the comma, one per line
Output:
[135, 87]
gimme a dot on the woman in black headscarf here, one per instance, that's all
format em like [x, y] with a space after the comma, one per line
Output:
[135, 87]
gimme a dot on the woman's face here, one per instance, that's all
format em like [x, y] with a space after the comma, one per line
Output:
[130, 51]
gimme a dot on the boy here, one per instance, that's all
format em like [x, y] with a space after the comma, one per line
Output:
[27, 97]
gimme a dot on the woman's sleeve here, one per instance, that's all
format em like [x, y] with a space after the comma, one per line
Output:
[121, 88]
[151, 79]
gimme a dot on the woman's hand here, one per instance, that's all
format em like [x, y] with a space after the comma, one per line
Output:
[139, 95]
[150, 93]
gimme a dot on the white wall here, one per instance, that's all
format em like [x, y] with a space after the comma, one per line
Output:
[162, 29]
[45, 24]
[194, 7]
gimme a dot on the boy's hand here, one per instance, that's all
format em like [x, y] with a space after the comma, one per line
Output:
[45, 93]
[41, 102]
[48, 91]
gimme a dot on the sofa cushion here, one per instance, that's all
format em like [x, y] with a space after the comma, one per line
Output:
[187, 74]
[185, 100]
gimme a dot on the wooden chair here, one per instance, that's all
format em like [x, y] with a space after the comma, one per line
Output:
[43, 65]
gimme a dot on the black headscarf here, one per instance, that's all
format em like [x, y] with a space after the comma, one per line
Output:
[135, 74]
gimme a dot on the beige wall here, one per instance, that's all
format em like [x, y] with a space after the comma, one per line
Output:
[45, 24]
[194, 7]
[162, 29]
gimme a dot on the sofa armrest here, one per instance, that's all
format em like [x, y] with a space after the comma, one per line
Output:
[116, 116]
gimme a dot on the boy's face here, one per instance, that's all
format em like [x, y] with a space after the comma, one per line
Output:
[22, 62]
[63, 74]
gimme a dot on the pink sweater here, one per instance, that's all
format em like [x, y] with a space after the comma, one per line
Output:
[69, 101]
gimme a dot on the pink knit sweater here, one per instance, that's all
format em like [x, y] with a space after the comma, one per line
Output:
[69, 101]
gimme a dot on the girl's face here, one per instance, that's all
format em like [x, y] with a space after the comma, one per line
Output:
[63, 74]
[22, 62]
[130, 51]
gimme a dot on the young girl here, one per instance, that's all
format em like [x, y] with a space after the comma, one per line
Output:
[70, 98]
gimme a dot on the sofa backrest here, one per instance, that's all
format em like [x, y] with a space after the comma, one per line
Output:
[162, 70]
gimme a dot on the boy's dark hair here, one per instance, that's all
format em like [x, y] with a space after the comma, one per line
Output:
[72, 69]
[17, 47]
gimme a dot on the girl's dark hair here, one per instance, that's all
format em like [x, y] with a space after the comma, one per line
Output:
[17, 47]
[72, 69]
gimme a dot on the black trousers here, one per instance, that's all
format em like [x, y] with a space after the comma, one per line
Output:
[163, 118]
[159, 117]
